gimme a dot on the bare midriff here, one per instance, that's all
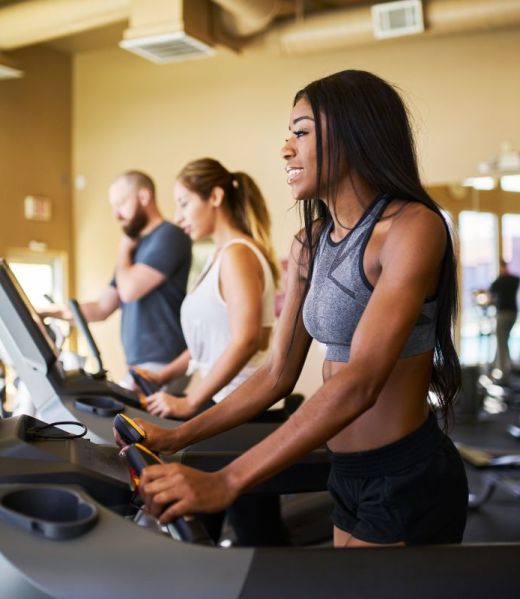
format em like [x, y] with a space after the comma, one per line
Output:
[400, 409]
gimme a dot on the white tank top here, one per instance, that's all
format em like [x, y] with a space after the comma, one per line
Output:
[205, 321]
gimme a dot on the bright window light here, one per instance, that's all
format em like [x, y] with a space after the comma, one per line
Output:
[480, 182]
[510, 183]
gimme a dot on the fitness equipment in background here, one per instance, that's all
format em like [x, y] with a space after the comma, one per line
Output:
[36, 358]
[143, 383]
[81, 324]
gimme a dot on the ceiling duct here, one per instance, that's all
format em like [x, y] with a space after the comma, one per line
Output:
[350, 27]
[34, 21]
[169, 30]
[180, 29]
[243, 18]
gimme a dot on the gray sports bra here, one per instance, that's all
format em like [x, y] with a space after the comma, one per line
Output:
[339, 291]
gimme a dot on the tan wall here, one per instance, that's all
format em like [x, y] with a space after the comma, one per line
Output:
[35, 150]
[463, 92]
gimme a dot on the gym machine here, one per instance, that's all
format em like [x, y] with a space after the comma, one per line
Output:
[65, 532]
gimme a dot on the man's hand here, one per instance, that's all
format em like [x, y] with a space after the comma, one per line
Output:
[134, 280]
[127, 246]
[60, 311]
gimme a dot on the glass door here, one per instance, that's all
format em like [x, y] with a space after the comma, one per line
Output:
[478, 233]
[511, 254]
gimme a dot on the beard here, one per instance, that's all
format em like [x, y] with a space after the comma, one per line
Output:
[136, 224]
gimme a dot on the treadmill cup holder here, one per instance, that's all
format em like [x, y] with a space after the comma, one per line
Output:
[99, 405]
[51, 512]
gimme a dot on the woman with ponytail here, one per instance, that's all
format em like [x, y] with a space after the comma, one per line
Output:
[227, 318]
[372, 276]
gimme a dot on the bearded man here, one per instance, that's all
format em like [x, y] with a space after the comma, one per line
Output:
[150, 277]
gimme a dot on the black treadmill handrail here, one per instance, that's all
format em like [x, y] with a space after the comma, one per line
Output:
[81, 323]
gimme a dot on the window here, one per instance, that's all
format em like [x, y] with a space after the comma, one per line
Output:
[511, 241]
[479, 261]
[39, 273]
[511, 254]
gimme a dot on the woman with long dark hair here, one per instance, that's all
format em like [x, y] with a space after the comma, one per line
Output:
[372, 276]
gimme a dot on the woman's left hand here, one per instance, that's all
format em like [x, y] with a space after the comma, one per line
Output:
[189, 491]
[163, 404]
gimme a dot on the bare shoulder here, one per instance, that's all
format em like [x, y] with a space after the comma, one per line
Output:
[240, 255]
[417, 224]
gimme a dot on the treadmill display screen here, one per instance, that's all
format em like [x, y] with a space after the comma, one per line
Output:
[21, 321]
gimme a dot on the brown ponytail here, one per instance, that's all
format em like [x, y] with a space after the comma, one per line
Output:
[242, 199]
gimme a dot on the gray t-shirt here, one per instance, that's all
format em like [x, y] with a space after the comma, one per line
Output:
[150, 326]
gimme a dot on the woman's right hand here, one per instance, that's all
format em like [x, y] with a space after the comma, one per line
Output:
[157, 438]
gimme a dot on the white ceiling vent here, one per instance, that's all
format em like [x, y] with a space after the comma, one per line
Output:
[169, 30]
[393, 19]
[168, 47]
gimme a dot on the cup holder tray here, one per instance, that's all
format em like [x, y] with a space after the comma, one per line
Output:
[51, 512]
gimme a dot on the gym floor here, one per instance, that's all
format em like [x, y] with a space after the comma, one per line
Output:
[497, 520]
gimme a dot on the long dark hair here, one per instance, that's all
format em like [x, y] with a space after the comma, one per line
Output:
[367, 125]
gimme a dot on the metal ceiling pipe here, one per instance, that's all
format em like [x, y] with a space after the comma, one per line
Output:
[242, 18]
[327, 31]
[337, 29]
[35, 21]
[453, 16]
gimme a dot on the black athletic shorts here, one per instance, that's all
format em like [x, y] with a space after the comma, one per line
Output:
[413, 491]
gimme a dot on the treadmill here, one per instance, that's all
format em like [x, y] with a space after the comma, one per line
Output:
[115, 557]
[63, 533]
[59, 395]
[36, 358]
[276, 415]
[36, 361]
